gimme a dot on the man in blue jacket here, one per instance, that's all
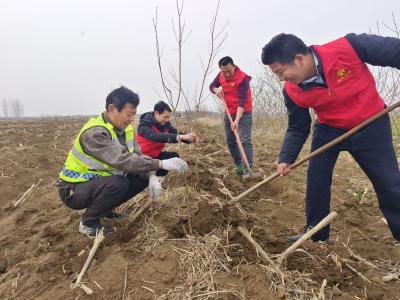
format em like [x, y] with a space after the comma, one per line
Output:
[335, 82]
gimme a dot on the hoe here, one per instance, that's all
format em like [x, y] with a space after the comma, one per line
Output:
[319, 150]
[250, 173]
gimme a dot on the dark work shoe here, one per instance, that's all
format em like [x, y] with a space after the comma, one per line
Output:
[112, 215]
[239, 169]
[91, 231]
[292, 239]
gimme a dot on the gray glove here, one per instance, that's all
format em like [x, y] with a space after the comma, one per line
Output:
[154, 187]
[174, 164]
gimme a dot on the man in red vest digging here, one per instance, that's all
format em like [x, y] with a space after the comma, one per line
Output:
[334, 80]
[233, 86]
[155, 130]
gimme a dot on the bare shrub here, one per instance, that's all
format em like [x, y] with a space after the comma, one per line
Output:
[268, 104]
[172, 85]
[388, 79]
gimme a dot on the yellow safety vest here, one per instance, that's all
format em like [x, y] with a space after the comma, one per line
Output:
[81, 167]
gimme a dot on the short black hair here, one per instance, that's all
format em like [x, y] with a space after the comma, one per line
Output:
[120, 96]
[161, 106]
[226, 60]
[282, 49]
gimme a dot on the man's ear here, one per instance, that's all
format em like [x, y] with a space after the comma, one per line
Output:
[300, 59]
[111, 108]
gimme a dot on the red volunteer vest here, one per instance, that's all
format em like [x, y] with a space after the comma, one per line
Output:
[150, 148]
[231, 96]
[351, 96]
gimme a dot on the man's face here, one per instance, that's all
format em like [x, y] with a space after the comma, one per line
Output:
[294, 72]
[228, 71]
[162, 118]
[122, 119]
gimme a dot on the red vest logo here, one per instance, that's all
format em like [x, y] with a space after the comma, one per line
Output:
[342, 74]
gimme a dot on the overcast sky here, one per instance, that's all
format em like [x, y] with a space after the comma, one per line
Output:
[64, 57]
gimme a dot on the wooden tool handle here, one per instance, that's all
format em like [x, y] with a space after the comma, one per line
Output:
[321, 149]
[325, 221]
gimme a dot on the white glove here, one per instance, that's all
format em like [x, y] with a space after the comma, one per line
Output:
[154, 187]
[174, 164]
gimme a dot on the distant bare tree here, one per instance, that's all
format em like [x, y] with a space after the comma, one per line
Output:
[17, 108]
[5, 108]
[268, 103]
[12, 108]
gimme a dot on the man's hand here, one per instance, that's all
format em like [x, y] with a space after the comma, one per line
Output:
[190, 137]
[174, 164]
[283, 169]
[219, 93]
[235, 126]
[154, 187]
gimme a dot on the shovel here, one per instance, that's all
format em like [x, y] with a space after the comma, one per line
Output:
[250, 173]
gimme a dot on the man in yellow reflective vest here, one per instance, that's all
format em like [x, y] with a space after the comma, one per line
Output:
[105, 166]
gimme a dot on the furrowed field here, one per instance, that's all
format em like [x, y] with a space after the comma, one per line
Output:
[186, 246]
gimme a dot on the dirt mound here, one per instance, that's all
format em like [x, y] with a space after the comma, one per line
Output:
[186, 244]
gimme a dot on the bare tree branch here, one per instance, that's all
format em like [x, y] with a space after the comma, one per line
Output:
[167, 91]
[179, 28]
[216, 41]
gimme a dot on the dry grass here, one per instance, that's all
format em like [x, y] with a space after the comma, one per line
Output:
[201, 258]
[151, 235]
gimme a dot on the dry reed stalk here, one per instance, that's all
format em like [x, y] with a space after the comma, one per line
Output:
[260, 250]
[140, 210]
[27, 193]
[134, 202]
[98, 285]
[200, 259]
[125, 281]
[86, 289]
[325, 221]
[96, 243]
[152, 235]
[14, 162]
[358, 257]
[321, 294]
[346, 263]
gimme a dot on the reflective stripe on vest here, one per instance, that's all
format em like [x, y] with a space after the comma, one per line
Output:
[92, 164]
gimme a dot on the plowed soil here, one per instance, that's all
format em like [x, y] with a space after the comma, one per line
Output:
[186, 245]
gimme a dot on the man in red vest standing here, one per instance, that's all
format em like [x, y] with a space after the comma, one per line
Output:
[155, 130]
[233, 86]
[334, 80]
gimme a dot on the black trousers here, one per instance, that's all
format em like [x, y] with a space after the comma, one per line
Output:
[101, 195]
[165, 155]
[372, 148]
